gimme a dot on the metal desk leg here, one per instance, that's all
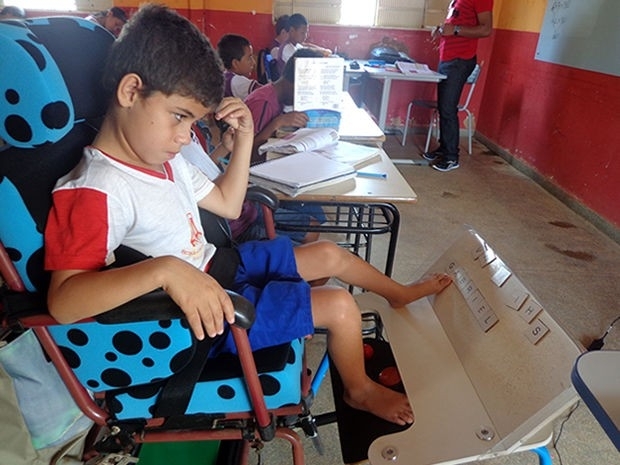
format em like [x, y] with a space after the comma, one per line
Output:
[389, 262]
[385, 99]
[544, 456]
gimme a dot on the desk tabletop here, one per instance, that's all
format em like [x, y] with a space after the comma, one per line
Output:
[356, 125]
[394, 188]
[390, 72]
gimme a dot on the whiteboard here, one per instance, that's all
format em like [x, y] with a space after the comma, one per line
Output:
[583, 34]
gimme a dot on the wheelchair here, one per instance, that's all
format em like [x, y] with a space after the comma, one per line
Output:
[137, 371]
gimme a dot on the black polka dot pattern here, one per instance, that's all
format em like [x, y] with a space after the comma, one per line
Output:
[115, 377]
[132, 366]
[127, 342]
[78, 337]
[226, 392]
[159, 340]
[270, 385]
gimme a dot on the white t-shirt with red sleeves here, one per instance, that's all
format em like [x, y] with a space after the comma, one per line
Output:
[103, 203]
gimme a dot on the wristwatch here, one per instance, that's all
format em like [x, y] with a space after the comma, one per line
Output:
[457, 30]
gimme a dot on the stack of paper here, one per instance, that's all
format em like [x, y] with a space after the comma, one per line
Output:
[302, 140]
[413, 68]
[349, 153]
[300, 172]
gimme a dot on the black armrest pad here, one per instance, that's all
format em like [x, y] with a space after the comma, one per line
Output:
[263, 196]
[158, 305]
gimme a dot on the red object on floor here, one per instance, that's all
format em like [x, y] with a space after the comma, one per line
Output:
[389, 376]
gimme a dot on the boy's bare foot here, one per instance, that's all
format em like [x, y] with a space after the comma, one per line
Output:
[426, 286]
[382, 402]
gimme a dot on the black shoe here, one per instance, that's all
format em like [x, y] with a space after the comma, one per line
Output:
[432, 156]
[446, 165]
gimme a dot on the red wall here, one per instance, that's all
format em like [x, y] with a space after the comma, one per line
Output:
[352, 42]
[563, 122]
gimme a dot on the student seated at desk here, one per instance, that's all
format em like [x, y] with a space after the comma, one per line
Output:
[297, 36]
[250, 225]
[238, 57]
[267, 106]
[282, 27]
[268, 102]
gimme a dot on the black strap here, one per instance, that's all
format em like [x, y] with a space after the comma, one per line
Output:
[177, 392]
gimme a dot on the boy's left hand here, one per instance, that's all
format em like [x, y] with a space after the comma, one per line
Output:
[236, 114]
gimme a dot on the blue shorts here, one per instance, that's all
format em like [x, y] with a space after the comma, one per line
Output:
[267, 276]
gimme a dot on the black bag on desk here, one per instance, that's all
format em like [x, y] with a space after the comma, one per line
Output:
[389, 55]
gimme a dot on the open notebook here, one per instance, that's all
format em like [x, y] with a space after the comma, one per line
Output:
[300, 172]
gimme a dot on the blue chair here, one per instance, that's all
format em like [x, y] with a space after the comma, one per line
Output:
[136, 371]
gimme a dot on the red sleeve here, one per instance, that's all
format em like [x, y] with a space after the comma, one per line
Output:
[77, 230]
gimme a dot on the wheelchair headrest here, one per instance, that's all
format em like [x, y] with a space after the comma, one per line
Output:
[50, 77]
[52, 103]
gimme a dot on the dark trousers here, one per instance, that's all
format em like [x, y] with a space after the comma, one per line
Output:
[448, 97]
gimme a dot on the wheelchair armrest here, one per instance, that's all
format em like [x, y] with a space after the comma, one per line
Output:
[157, 305]
[29, 308]
[263, 196]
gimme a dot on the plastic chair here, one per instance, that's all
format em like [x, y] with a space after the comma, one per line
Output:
[151, 380]
[434, 122]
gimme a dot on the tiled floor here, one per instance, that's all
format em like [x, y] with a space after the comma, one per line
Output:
[571, 266]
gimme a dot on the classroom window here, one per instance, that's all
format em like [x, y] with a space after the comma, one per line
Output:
[63, 5]
[358, 12]
[408, 14]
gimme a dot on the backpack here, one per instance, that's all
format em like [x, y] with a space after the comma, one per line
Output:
[266, 67]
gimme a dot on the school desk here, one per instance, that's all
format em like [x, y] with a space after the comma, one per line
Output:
[365, 206]
[361, 208]
[387, 75]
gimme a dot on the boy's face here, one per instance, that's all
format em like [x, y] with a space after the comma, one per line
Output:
[157, 126]
[298, 35]
[246, 64]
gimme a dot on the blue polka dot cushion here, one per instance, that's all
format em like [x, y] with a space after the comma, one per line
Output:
[132, 360]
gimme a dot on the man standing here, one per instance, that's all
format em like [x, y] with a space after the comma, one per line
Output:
[466, 22]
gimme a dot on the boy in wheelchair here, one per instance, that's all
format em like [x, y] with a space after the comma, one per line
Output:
[130, 188]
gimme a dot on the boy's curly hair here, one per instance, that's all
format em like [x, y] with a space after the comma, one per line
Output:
[169, 53]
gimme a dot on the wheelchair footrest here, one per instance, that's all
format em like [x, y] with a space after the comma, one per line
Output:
[358, 429]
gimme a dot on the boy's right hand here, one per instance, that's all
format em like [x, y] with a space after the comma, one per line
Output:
[236, 113]
[228, 139]
[296, 119]
[204, 302]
